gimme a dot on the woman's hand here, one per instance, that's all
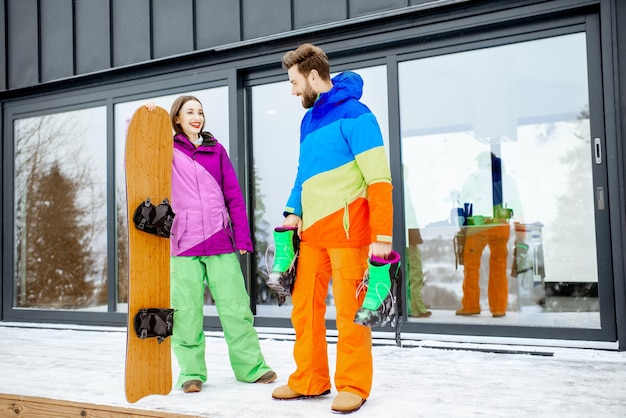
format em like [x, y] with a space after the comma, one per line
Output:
[150, 106]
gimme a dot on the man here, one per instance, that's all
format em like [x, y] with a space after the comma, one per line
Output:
[341, 206]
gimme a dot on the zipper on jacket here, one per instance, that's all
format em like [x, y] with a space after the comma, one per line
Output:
[346, 219]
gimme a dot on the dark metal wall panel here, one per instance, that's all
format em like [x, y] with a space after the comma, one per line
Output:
[217, 23]
[23, 43]
[308, 13]
[93, 36]
[131, 31]
[267, 17]
[57, 39]
[620, 28]
[3, 51]
[365, 7]
[172, 30]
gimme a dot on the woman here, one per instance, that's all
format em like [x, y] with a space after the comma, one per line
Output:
[210, 226]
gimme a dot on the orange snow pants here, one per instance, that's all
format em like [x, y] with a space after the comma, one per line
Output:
[497, 237]
[354, 369]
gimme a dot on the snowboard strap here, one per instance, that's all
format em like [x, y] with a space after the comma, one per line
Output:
[156, 220]
[154, 323]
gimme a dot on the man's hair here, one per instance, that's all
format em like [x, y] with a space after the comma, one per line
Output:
[176, 106]
[308, 57]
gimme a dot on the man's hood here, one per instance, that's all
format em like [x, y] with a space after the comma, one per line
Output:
[347, 85]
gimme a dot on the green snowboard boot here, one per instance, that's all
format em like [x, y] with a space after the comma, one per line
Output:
[283, 274]
[382, 281]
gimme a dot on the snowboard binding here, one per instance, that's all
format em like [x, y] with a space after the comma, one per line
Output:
[156, 220]
[154, 323]
[283, 274]
[383, 281]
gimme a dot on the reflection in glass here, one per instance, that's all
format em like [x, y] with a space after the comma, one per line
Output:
[215, 104]
[275, 134]
[498, 182]
[276, 117]
[60, 213]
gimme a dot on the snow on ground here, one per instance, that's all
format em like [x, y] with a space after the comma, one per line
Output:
[86, 364]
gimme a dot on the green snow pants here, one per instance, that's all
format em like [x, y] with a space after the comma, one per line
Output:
[223, 276]
[415, 281]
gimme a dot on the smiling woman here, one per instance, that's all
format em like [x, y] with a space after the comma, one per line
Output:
[188, 118]
[215, 116]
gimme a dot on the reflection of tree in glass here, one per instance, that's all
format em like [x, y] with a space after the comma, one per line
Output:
[102, 291]
[575, 237]
[54, 230]
[122, 249]
[58, 259]
[261, 237]
[443, 281]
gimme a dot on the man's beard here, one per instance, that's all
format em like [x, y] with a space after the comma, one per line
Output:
[308, 97]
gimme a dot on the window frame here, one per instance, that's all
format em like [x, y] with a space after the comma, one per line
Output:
[97, 96]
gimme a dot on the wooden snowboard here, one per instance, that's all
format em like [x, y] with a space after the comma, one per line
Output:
[149, 152]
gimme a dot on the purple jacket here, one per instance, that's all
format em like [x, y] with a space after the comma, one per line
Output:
[210, 211]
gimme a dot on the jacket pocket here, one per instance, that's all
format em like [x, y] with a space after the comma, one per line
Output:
[179, 229]
[228, 227]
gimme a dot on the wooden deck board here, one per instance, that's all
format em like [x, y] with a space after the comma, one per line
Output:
[19, 406]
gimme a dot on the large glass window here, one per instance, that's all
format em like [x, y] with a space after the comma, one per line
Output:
[276, 117]
[215, 104]
[497, 162]
[60, 211]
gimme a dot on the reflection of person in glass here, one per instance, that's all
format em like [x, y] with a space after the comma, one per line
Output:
[417, 308]
[415, 280]
[341, 204]
[485, 222]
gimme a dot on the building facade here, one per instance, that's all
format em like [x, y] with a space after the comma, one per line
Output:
[502, 122]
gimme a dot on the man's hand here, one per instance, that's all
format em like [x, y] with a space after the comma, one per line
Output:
[380, 250]
[294, 220]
